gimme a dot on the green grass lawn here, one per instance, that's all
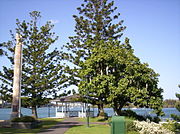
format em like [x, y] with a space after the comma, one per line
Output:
[93, 129]
[46, 123]
[49, 122]
[95, 119]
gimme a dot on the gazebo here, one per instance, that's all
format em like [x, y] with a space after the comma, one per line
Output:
[71, 106]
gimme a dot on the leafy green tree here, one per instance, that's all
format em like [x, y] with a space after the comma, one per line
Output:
[106, 71]
[42, 72]
[95, 23]
[119, 77]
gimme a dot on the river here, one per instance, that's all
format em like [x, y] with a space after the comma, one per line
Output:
[46, 112]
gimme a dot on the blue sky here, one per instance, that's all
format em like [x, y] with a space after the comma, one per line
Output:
[153, 27]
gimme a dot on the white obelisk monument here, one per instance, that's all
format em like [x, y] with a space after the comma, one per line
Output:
[16, 102]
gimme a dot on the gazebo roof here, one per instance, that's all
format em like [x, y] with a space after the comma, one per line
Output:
[71, 98]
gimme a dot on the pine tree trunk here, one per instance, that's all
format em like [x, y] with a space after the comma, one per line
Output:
[100, 109]
[16, 110]
[34, 112]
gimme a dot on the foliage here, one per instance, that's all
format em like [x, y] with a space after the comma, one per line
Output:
[1, 50]
[133, 115]
[177, 117]
[133, 132]
[107, 71]
[104, 115]
[170, 125]
[130, 125]
[42, 72]
[151, 128]
[177, 105]
[95, 23]
[123, 79]
[24, 119]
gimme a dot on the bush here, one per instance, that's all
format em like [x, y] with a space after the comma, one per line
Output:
[133, 132]
[24, 119]
[133, 115]
[172, 125]
[105, 115]
[151, 128]
[175, 117]
[130, 125]
[156, 119]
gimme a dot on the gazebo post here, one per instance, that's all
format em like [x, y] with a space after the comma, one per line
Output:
[62, 108]
[66, 108]
[82, 109]
[56, 108]
[93, 110]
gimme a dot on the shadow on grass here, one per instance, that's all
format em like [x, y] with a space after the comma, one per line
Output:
[45, 124]
[64, 126]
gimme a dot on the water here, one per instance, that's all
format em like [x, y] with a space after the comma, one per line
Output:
[43, 112]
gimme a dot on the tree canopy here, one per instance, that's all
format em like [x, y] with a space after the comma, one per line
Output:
[118, 78]
[1, 50]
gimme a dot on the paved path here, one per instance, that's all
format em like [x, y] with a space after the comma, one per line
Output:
[64, 125]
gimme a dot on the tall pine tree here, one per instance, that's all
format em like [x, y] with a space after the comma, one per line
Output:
[42, 72]
[94, 24]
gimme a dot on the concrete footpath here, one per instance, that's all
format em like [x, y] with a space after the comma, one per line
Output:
[64, 125]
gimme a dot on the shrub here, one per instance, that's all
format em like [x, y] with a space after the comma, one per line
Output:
[172, 125]
[105, 115]
[24, 119]
[175, 117]
[130, 125]
[151, 128]
[133, 132]
[132, 114]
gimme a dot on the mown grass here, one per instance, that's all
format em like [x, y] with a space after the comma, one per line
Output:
[94, 119]
[93, 129]
[46, 123]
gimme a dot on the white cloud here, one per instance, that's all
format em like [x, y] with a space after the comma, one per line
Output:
[54, 21]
